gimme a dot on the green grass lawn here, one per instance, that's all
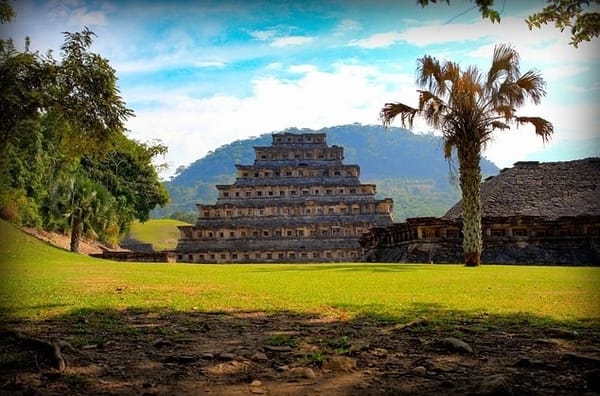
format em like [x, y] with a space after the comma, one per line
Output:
[161, 233]
[39, 281]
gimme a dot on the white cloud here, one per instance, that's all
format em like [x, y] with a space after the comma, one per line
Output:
[378, 40]
[83, 17]
[347, 26]
[263, 35]
[191, 127]
[291, 40]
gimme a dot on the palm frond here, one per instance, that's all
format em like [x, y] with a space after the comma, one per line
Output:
[425, 97]
[449, 144]
[499, 125]
[505, 111]
[430, 75]
[533, 85]
[391, 110]
[543, 128]
[505, 63]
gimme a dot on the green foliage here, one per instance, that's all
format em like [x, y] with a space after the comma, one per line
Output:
[584, 25]
[405, 166]
[281, 340]
[485, 8]
[584, 22]
[341, 345]
[65, 163]
[314, 359]
[6, 11]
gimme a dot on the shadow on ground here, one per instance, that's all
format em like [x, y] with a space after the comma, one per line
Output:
[164, 352]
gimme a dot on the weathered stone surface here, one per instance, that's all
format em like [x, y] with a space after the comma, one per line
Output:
[278, 348]
[533, 213]
[454, 345]
[259, 357]
[340, 364]
[494, 385]
[298, 202]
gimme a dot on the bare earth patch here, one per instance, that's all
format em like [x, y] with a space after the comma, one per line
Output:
[63, 241]
[252, 353]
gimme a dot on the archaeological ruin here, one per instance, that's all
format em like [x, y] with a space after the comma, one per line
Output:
[298, 202]
[532, 213]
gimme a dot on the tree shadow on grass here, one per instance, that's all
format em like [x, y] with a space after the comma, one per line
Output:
[161, 351]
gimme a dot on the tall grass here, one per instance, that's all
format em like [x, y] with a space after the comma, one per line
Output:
[39, 281]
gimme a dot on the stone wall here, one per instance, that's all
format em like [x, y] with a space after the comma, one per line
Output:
[506, 240]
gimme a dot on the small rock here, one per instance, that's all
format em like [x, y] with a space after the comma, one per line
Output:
[256, 383]
[309, 373]
[303, 372]
[455, 345]
[380, 352]
[420, 371]
[226, 356]
[285, 367]
[362, 385]
[340, 364]
[447, 384]
[208, 355]
[494, 385]
[259, 357]
[580, 358]
[278, 348]
[181, 359]
[544, 341]
[562, 333]
[161, 342]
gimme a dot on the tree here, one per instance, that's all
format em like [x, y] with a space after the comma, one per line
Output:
[583, 22]
[65, 162]
[467, 106]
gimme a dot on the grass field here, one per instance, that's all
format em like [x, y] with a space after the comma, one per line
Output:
[39, 281]
[161, 233]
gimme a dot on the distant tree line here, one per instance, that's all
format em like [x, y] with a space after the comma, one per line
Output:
[65, 162]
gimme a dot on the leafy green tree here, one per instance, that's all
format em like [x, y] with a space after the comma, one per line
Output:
[128, 174]
[65, 162]
[579, 16]
[6, 11]
[467, 106]
[89, 209]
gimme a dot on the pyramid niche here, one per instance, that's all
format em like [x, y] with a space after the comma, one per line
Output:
[298, 202]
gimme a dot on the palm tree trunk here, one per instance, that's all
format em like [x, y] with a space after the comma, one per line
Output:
[75, 234]
[469, 157]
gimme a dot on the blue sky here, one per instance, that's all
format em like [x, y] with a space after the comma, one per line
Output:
[200, 74]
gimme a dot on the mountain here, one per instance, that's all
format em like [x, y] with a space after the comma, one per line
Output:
[408, 167]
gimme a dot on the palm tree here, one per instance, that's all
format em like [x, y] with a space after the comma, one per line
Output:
[467, 106]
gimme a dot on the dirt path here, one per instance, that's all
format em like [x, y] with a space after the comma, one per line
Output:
[252, 353]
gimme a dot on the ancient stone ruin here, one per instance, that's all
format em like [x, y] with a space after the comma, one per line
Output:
[532, 213]
[298, 202]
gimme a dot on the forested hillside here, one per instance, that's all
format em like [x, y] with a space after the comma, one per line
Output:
[408, 167]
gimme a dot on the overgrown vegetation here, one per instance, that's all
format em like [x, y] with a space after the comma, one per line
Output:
[65, 162]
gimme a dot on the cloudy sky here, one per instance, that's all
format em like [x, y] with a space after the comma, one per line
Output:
[200, 74]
